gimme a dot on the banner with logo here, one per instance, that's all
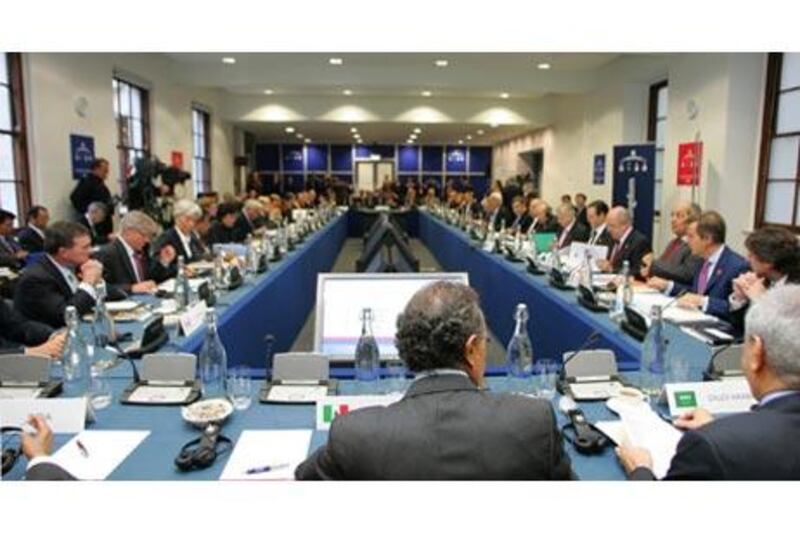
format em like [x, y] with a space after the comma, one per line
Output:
[634, 183]
[690, 163]
[81, 149]
[599, 169]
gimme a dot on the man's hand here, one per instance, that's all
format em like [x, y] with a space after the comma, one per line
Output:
[604, 265]
[660, 284]
[21, 254]
[39, 444]
[167, 255]
[755, 289]
[92, 272]
[144, 287]
[633, 457]
[693, 419]
[690, 301]
[52, 348]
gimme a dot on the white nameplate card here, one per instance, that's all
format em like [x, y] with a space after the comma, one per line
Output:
[63, 415]
[331, 407]
[717, 397]
[193, 318]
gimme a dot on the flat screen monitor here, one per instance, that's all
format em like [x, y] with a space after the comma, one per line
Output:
[341, 298]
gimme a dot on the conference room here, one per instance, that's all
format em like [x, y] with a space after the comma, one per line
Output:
[239, 266]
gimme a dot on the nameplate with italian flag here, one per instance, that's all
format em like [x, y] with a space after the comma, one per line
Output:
[717, 397]
[333, 406]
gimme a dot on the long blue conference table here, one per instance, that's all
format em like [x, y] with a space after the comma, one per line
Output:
[278, 303]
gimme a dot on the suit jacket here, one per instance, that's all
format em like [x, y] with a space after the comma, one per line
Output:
[548, 225]
[95, 231]
[522, 223]
[503, 215]
[42, 294]
[720, 283]
[197, 248]
[48, 472]
[8, 248]
[678, 265]
[30, 240]
[582, 217]
[604, 239]
[93, 189]
[218, 233]
[758, 445]
[120, 273]
[243, 227]
[16, 331]
[635, 247]
[578, 233]
[443, 428]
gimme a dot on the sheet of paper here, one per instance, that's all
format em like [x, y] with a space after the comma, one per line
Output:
[281, 449]
[644, 301]
[19, 393]
[106, 451]
[149, 394]
[124, 305]
[64, 415]
[297, 393]
[613, 429]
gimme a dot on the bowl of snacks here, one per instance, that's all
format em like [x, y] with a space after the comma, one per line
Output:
[205, 412]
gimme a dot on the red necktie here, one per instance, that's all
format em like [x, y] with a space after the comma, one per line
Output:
[672, 248]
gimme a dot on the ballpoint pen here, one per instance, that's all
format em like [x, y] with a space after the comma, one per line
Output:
[263, 469]
[82, 448]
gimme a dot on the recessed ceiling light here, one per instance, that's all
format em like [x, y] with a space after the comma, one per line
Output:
[441, 63]
[308, 140]
[494, 125]
[268, 91]
[504, 95]
[347, 92]
[289, 129]
[299, 135]
[412, 136]
[460, 141]
[480, 132]
[417, 130]
[229, 60]
[469, 137]
[427, 94]
[353, 130]
[409, 141]
[335, 61]
[543, 66]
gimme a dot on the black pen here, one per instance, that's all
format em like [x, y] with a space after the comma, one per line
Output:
[82, 448]
[263, 469]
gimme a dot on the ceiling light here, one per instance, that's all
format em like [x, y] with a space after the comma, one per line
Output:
[494, 125]
[308, 140]
[268, 91]
[229, 60]
[543, 66]
[441, 63]
[427, 94]
[412, 136]
[480, 132]
[335, 61]
[289, 129]
[469, 137]
[460, 141]
[347, 92]
[356, 136]
[504, 95]
[353, 130]
[409, 141]
[417, 130]
[299, 135]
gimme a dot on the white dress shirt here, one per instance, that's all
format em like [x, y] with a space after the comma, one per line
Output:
[597, 232]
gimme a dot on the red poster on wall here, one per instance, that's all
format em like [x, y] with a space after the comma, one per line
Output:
[690, 162]
[177, 160]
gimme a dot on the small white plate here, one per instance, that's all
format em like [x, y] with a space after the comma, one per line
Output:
[205, 412]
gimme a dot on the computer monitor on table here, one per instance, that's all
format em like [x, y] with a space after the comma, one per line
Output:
[341, 298]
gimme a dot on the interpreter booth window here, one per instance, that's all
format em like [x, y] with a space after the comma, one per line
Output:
[201, 155]
[779, 169]
[131, 110]
[657, 133]
[14, 184]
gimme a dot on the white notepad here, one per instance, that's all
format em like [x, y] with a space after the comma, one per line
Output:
[283, 449]
[106, 451]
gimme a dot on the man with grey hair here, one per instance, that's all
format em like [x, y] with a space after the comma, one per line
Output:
[93, 220]
[571, 229]
[677, 263]
[250, 219]
[760, 444]
[182, 236]
[497, 214]
[629, 244]
[447, 426]
[127, 265]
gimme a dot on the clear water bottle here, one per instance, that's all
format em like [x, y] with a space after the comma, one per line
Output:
[266, 249]
[283, 239]
[102, 325]
[519, 354]
[182, 289]
[624, 294]
[75, 359]
[212, 363]
[588, 276]
[219, 271]
[627, 286]
[653, 367]
[367, 354]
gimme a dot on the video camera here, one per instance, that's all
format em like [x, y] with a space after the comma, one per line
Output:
[143, 191]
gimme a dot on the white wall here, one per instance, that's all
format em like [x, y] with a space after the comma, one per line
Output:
[728, 90]
[53, 83]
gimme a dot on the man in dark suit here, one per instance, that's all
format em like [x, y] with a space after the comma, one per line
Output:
[629, 244]
[757, 445]
[94, 221]
[677, 263]
[93, 188]
[580, 209]
[31, 237]
[571, 229]
[47, 287]
[497, 215]
[33, 338]
[542, 215]
[713, 283]
[127, 265]
[37, 447]
[522, 221]
[223, 229]
[447, 426]
[596, 213]
[250, 219]
[11, 253]
[181, 237]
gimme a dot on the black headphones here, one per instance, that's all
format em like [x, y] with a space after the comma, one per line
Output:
[588, 439]
[10, 455]
[201, 452]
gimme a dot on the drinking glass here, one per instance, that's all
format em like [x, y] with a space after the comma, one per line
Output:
[240, 387]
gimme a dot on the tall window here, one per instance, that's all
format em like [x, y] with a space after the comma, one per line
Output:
[133, 126]
[14, 184]
[778, 201]
[657, 133]
[201, 153]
